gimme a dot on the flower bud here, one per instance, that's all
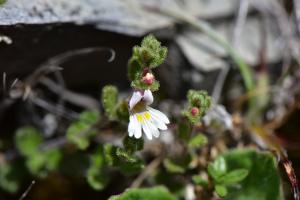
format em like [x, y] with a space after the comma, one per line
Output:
[148, 78]
[194, 111]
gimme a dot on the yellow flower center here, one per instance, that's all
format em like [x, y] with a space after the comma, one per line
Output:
[141, 117]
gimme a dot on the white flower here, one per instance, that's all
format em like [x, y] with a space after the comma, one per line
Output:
[143, 118]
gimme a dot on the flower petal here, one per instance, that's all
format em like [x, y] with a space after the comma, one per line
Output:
[135, 98]
[153, 128]
[158, 123]
[148, 97]
[159, 115]
[131, 126]
[138, 129]
[147, 130]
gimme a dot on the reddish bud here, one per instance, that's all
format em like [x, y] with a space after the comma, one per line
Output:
[194, 111]
[148, 78]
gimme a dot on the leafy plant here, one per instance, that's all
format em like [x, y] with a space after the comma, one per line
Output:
[96, 146]
[222, 177]
[158, 193]
[80, 131]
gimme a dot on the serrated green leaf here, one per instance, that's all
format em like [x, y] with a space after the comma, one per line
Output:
[234, 176]
[263, 180]
[149, 55]
[28, 140]
[130, 169]
[122, 111]
[221, 190]
[89, 116]
[152, 53]
[110, 154]
[138, 84]
[79, 132]
[156, 193]
[134, 68]
[132, 145]
[122, 154]
[110, 100]
[197, 141]
[118, 157]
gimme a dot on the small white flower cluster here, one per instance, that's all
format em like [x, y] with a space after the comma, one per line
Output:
[143, 118]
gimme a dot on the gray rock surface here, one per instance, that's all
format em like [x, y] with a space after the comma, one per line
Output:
[125, 16]
[129, 17]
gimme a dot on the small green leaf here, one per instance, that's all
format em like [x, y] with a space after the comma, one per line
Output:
[122, 111]
[221, 190]
[217, 168]
[138, 84]
[118, 157]
[96, 176]
[28, 140]
[9, 177]
[220, 165]
[234, 176]
[263, 180]
[42, 162]
[89, 116]
[130, 169]
[149, 55]
[80, 131]
[134, 68]
[35, 163]
[132, 144]
[110, 100]
[124, 155]
[212, 172]
[198, 180]
[197, 141]
[77, 133]
[172, 167]
[151, 52]
[110, 154]
[155, 193]
[52, 159]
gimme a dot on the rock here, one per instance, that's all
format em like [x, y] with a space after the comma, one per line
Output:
[207, 55]
[119, 16]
